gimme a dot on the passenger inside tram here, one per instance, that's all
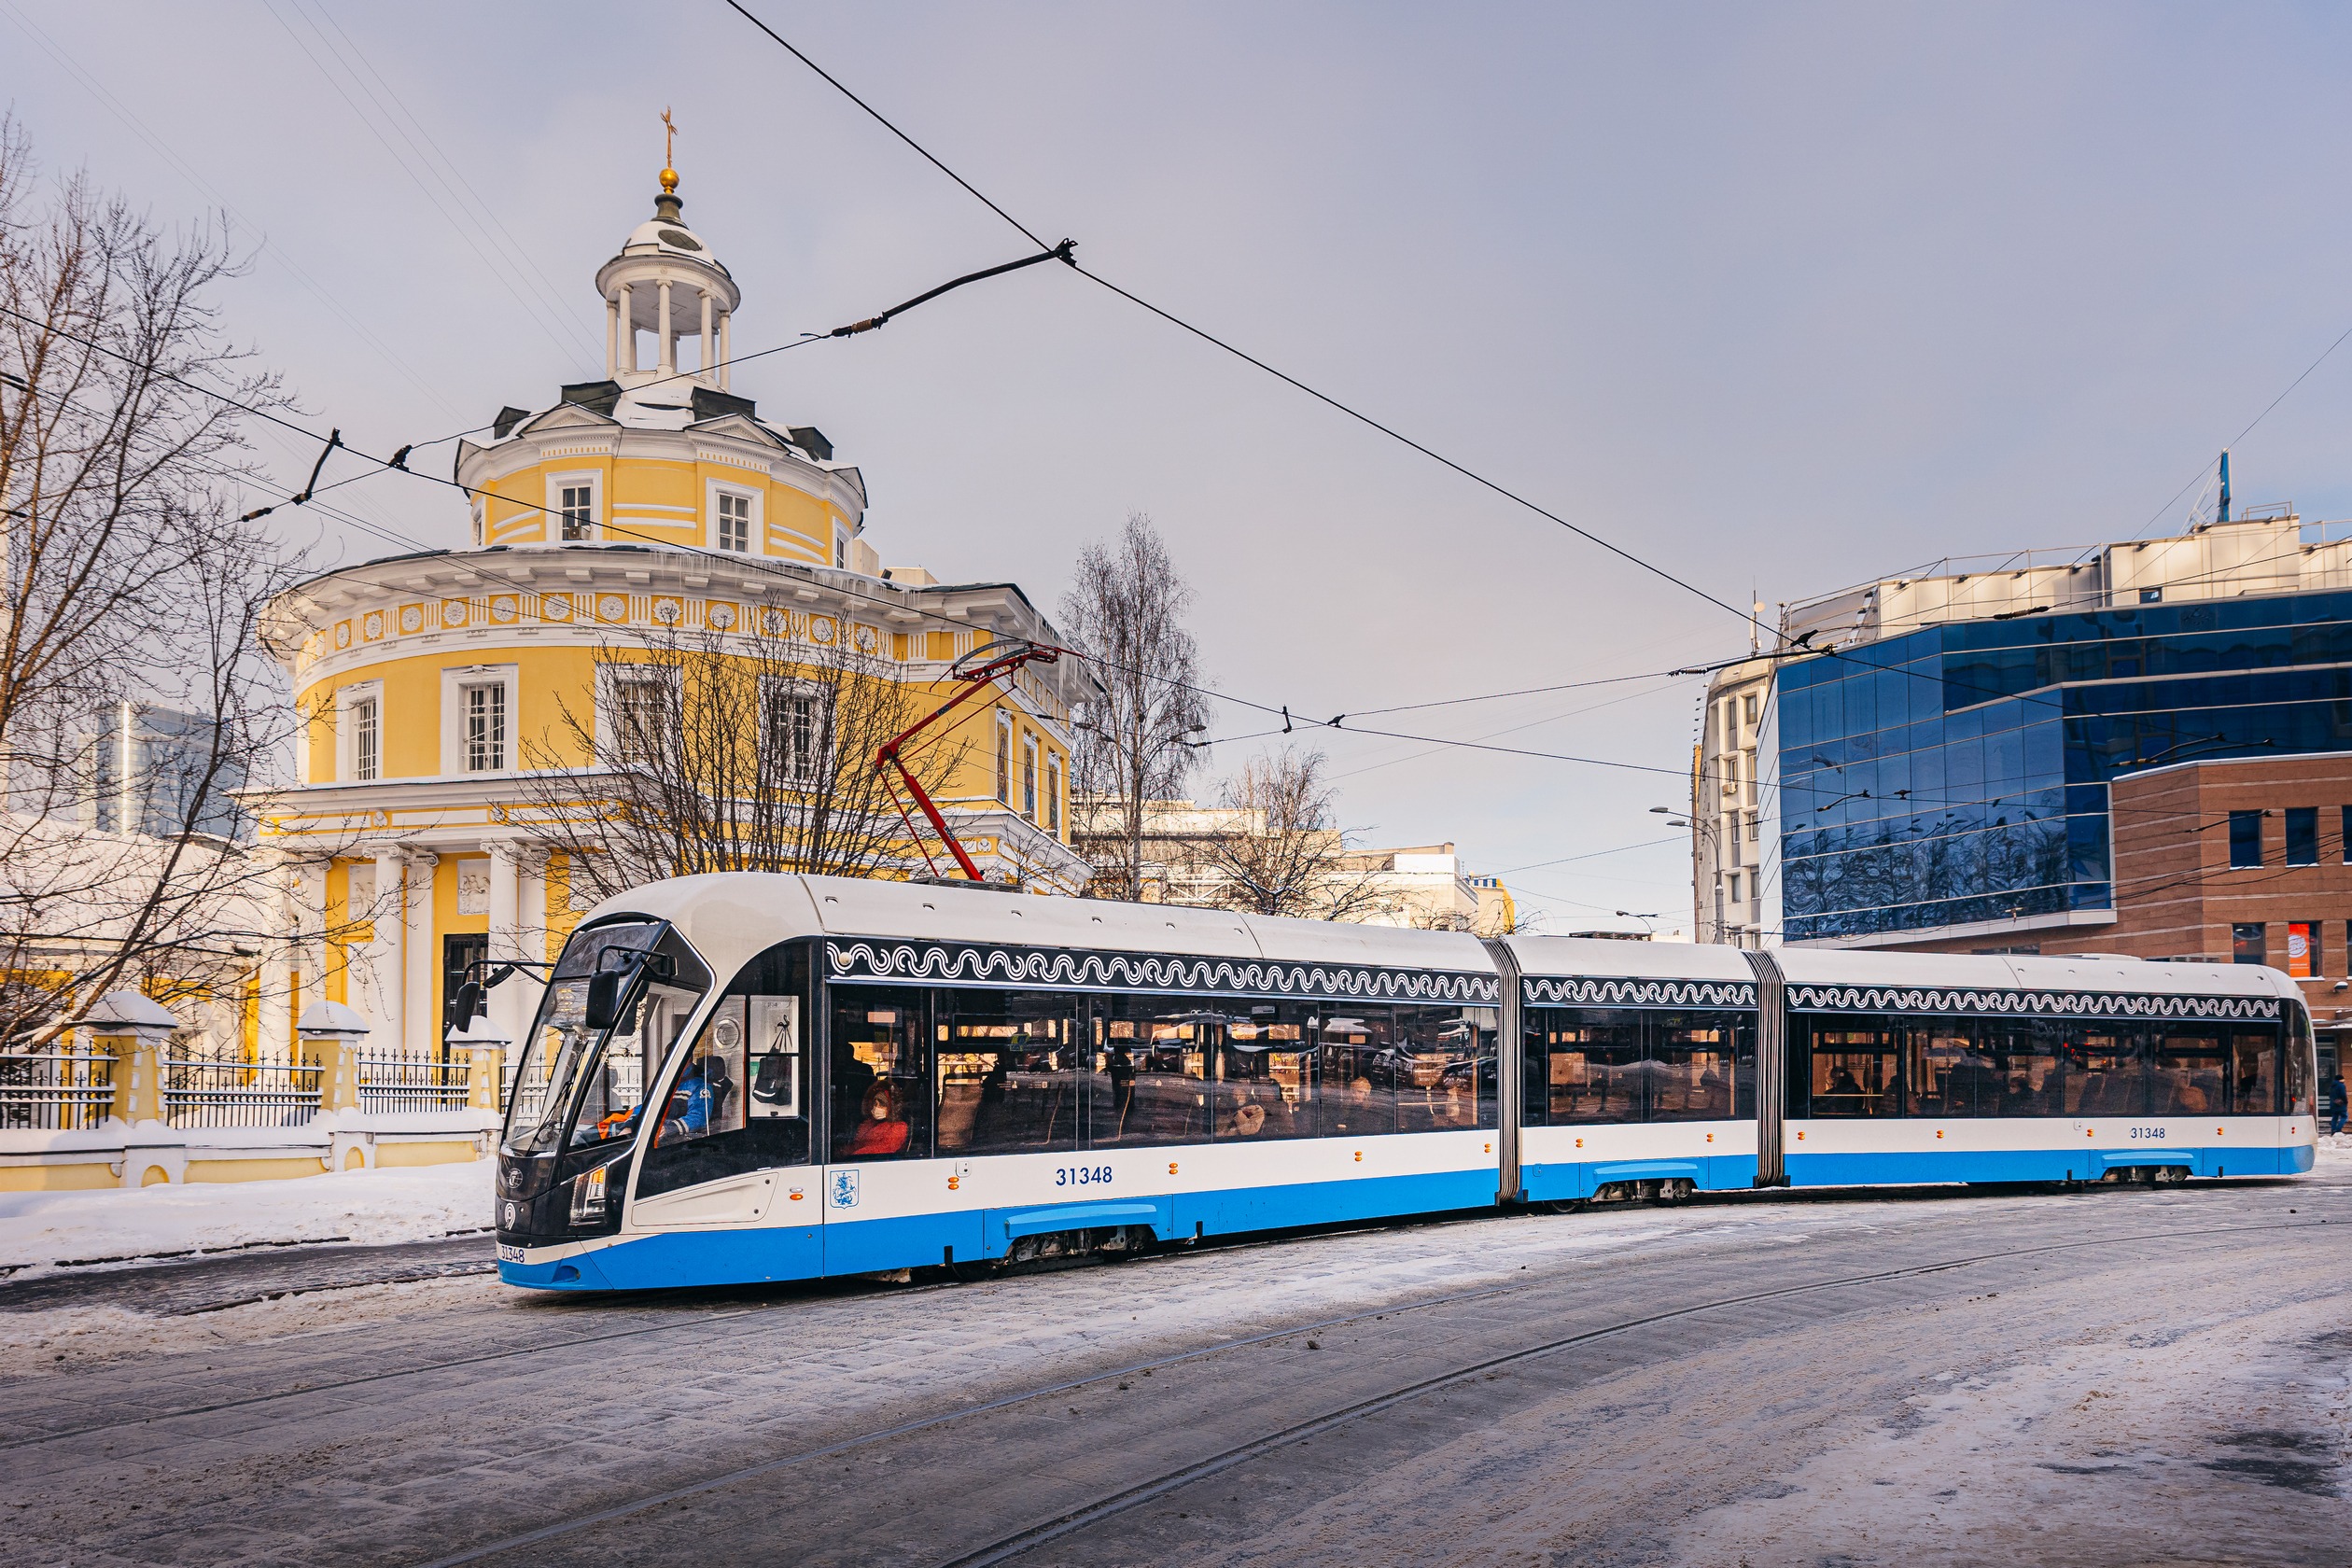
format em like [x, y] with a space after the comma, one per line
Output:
[705, 1100]
[882, 1126]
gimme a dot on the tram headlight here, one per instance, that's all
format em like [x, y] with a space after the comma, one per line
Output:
[588, 1194]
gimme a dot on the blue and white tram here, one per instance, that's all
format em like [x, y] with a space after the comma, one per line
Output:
[757, 1077]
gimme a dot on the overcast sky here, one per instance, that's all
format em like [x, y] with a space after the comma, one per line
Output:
[1779, 296]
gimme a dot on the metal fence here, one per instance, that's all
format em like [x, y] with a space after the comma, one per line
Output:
[226, 1094]
[413, 1084]
[64, 1092]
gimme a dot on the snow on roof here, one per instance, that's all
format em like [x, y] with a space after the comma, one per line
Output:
[1642, 961]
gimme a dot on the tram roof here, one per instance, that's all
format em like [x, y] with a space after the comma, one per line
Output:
[732, 916]
[1636, 960]
[2084, 972]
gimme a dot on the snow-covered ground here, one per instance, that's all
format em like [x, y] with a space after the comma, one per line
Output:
[40, 1231]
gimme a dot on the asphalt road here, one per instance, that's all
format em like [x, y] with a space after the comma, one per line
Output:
[2120, 1376]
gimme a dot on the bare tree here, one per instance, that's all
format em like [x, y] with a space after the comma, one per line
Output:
[1279, 849]
[135, 699]
[1125, 614]
[733, 748]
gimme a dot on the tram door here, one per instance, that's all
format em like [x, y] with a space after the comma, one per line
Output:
[731, 1149]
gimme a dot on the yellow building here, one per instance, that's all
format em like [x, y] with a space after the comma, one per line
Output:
[655, 499]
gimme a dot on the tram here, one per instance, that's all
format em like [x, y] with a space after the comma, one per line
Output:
[755, 1077]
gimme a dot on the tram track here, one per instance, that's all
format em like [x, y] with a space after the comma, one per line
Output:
[309, 1389]
[1072, 1521]
[702, 1321]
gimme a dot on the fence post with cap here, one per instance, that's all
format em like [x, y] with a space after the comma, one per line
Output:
[132, 1028]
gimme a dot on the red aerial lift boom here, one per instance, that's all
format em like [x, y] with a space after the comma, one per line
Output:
[978, 670]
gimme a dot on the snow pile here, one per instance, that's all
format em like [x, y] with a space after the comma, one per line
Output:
[68, 1338]
[407, 1204]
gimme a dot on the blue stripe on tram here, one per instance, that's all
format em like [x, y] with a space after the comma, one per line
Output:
[752, 1257]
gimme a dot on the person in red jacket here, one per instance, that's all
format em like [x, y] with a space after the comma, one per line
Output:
[882, 1128]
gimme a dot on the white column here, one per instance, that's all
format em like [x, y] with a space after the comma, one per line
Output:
[505, 941]
[725, 354]
[531, 922]
[422, 1036]
[709, 336]
[628, 331]
[384, 956]
[612, 337]
[310, 917]
[667, 363]
[277, 967]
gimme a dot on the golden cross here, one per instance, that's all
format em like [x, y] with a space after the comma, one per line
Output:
[670, 141]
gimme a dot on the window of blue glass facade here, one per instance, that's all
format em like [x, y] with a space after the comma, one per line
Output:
[1959, 773]
[2246, 839]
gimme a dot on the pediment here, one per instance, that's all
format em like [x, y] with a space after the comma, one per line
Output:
[741, 426]
[566, 416]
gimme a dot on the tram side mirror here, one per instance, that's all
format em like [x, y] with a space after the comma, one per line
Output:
[603, 999]
[466, 1005]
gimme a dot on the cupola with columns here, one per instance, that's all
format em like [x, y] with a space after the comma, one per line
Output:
[665, 281]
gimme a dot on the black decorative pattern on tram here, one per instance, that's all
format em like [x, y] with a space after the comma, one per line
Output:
[2056, 1004]
[1579, 991]
[965, 963]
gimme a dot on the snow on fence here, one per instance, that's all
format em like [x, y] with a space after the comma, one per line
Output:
[61, 1092]
[389, 1082]
[234, 1094]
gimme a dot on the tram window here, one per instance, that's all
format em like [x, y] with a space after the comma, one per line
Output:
[2028, 1075]
[2188, 1071]
[740, 1102]
[1357, 1060]
[575, 1085]
[881, 1074]
[1534, 1070]
[706, 1098]
[2254, 1069]
[1856, 1071]
[1593, 1059]
[1007, 1070]
[1928, 1063]
[1147, 1071]
[2106, 1075]
[1692, 1058]
[1268, 1078]
[1444, 1067]
[616, 1087]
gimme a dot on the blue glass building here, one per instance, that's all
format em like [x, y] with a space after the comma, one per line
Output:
[1957, 774]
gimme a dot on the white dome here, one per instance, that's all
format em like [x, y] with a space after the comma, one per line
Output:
[674, 239]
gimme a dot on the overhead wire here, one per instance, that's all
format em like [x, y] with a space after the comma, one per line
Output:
[1238, 353]
[758, 565]
[884, 120]
[2324, 354]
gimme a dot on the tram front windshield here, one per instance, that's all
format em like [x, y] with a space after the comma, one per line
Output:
[576, 1087]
